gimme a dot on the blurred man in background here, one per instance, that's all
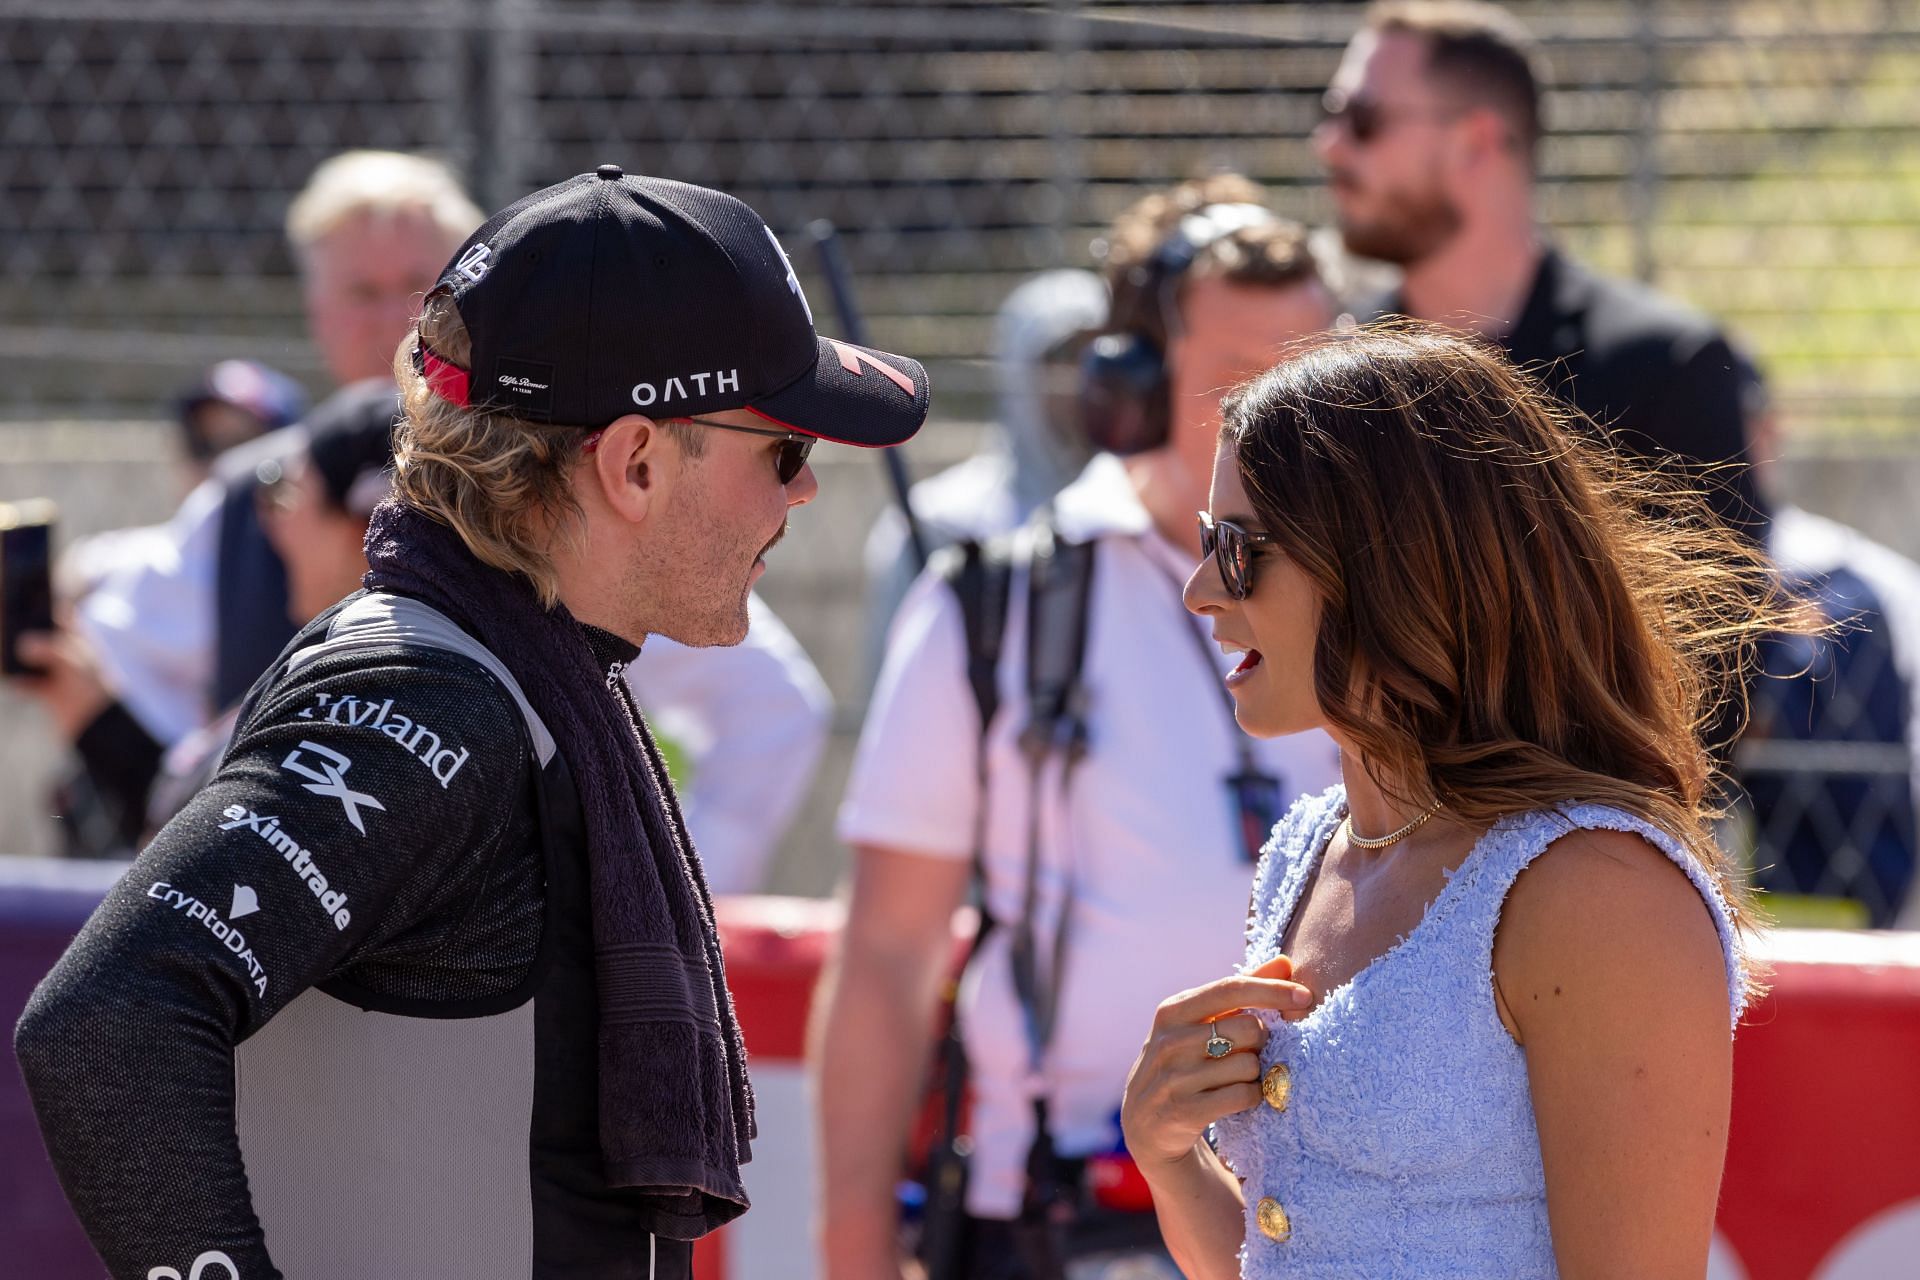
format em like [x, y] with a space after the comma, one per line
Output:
[1828, 761]
[229, 405]
[182, 634]
[315, 509]
[233, 402]
[1430, 143]
[1039, 335]
[1112, 867]
[370, 232]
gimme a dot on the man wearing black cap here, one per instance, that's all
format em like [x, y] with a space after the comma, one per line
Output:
[440, 887]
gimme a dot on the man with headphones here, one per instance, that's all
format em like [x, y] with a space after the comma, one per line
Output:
[1113, 808]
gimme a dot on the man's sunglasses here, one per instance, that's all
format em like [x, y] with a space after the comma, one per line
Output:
[793, 452]
[1231, 547]
[1365, 119]
[787, 462]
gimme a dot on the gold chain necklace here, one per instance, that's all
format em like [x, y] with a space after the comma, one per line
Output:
[1381, 842]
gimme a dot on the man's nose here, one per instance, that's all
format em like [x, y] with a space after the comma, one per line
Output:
[1327, 138]
[803, 488]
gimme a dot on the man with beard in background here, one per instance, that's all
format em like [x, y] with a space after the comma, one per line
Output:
[1430, 141]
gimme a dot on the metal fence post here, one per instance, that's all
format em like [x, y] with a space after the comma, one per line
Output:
[1643, 186]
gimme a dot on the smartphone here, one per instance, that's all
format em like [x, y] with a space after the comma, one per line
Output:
[26, 577]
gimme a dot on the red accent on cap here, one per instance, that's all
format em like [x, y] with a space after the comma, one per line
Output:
[448, 381]
[851, 358]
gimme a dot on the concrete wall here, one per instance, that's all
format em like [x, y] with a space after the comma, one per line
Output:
[107, 475]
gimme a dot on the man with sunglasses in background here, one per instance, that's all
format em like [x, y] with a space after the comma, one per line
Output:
[1430, 143]
[1112, 808]
[425, 982]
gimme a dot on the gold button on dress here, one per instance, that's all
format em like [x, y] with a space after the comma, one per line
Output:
[1273, 1220]
[1277, 1086]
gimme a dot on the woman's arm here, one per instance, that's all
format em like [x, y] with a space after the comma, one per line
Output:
[1175, 1091]
[1611, 971]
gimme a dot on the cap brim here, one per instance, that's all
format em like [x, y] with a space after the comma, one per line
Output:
[852, 395]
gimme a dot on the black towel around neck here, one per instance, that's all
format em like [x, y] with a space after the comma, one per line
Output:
[676, 1108]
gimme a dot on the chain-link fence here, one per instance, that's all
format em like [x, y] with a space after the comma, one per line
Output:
[1760, 159]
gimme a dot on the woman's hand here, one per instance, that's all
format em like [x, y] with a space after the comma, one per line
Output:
[1175, 1090]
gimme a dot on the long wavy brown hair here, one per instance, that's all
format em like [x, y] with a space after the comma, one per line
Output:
[1512, 617]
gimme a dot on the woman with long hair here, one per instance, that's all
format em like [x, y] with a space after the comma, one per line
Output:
[1484, 1025]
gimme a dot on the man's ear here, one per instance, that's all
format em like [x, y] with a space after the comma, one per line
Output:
[633, 466]
[1485, 136]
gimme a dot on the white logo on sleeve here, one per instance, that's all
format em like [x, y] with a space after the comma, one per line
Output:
[332, 901]
[443, 760]
[198, 1271]
[207, 917]
[793, 281]
[330, 779]
[474, 262]
[245, 902]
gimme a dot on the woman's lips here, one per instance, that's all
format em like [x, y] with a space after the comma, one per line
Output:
[1248, 664]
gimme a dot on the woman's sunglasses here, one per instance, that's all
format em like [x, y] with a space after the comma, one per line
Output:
[1231, 547]
[787, 461]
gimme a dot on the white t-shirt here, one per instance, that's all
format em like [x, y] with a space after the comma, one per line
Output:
[1148, 834]
[751, 720]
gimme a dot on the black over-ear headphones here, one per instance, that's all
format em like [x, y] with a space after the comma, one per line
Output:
[1125, 404]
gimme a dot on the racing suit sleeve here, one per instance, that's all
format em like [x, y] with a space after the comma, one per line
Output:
[359, 801]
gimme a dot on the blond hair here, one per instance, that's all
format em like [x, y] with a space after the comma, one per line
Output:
[380, 184]
[503, 483]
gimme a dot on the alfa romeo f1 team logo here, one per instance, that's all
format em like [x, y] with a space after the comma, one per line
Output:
[330, 779]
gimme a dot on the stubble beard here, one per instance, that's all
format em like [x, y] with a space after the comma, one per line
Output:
[1410, 230]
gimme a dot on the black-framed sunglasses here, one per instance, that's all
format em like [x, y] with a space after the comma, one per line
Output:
[1366, 119]
[1231, 546]
[793, 452]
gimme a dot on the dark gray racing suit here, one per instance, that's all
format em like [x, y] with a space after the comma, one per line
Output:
[338, 1021]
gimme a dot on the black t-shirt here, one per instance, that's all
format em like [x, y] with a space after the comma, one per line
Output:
[1656, 375]
[342, 1006]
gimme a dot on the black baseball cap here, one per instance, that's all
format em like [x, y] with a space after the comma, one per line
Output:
[612, 293]
[350, 443]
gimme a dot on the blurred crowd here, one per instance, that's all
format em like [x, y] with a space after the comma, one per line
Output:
[1046, 734]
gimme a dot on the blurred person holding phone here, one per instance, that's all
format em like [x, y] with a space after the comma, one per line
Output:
[181, 632]
[1048, 719]
[315, 507]
[1433, 1062]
